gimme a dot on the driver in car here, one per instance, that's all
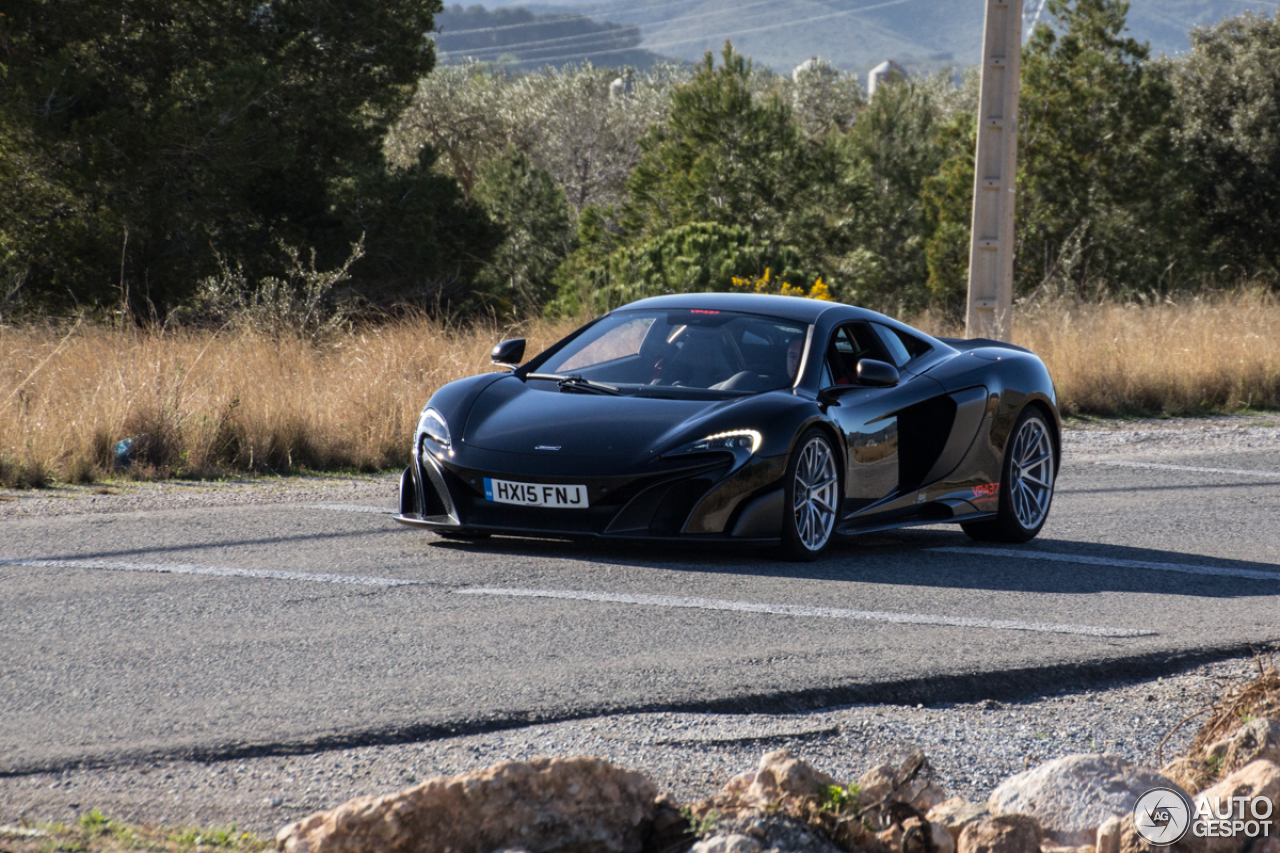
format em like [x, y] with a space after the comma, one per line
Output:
[794, 350]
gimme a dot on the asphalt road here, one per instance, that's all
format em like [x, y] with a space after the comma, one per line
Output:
[216, 631]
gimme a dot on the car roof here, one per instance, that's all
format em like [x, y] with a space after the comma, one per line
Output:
[796, 308]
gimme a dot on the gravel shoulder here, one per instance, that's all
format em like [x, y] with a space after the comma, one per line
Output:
[120, 495]
[972, 747]
[1152, 437]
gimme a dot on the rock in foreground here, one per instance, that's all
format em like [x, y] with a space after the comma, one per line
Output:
[1257, 781]
[543, 806]
[1010, 833]
[1071, 797]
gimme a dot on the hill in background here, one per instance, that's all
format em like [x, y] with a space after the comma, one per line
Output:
[525, 40]
[923, 35]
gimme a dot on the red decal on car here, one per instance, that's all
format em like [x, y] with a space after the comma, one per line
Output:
[987, 490]
[701, 311]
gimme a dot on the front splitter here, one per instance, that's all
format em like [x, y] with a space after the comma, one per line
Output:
[447, 527]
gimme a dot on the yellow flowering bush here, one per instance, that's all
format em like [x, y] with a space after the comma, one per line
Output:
[768, 284]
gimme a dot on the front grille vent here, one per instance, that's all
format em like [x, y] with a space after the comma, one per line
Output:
[439, 503]
[676, 504]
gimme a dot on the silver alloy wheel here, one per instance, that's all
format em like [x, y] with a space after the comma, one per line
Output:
[816, 494]
[1031, 473]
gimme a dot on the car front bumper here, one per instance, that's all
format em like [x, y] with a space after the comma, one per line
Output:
[711, 498]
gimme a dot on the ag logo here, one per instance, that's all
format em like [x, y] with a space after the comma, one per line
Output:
[1162, 816]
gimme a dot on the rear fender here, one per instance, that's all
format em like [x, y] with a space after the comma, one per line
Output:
[1015, 379]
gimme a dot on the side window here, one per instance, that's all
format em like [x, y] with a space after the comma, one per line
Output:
[903, 346]
[850, 344]
[842, 357]
[914, 345]
[894, 344]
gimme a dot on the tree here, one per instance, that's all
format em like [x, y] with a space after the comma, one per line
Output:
[1228, 111]
[693, 258]
[538, 232]
[823, 98]
[722, 157]
[586, 139]
[1100, 197]
[42, 220]
[722, 190]
[564, 119]
[184, 128]
[459, 110]
[885, 160]
[947, 207]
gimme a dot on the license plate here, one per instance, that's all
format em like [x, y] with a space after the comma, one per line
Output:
[535, 494]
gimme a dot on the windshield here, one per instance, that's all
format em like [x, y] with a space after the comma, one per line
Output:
[644, 351]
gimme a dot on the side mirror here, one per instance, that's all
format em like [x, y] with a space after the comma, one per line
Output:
[877, 374]
[508, 354]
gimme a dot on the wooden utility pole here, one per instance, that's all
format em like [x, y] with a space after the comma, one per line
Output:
[995, 175]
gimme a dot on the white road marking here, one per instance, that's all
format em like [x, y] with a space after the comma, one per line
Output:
[220, 571]
[805, 610]
[1181, 568]
[379, 510]
[1161, 467]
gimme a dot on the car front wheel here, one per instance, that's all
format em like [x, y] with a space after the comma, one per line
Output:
[812, 489]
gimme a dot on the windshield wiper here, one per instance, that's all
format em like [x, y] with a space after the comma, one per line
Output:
[574, 382]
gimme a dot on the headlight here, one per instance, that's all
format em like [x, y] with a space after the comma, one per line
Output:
[432, 424]
[745, 441]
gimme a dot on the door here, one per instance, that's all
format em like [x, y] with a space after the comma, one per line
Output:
[880, 468]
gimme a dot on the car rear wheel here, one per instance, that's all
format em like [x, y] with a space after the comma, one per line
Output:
[812, 489]
[1026, 484]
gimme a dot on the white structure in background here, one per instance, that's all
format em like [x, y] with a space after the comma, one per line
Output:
[813, 65]
[883, 73]
[620, 88]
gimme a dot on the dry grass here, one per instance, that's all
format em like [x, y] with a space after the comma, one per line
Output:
[1213, 353]
[1204, 761]
[1258, 698]
[215, 403]
[211, 403]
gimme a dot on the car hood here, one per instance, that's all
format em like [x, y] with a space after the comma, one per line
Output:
[513, 417]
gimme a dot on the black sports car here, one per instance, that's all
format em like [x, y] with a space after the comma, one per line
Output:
[740, 417]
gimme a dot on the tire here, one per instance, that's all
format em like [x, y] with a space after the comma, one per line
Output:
[812, 497]
[1026, 483]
